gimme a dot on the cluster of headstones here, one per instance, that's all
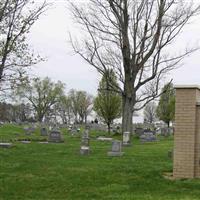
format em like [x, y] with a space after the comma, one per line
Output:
[146, 135]
[102, 127]
[97, 127]
[73, 130]
[53, 136]
[166, 131]
[116, 144]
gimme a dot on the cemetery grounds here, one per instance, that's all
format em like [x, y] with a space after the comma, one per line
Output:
[58, 171]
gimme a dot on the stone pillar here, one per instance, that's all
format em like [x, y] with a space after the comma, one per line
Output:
[197, 147]
[187, 132]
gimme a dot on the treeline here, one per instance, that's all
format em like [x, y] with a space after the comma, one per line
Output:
[42, 100]
[46, 101]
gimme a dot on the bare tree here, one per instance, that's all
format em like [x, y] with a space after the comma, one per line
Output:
[42, 94]
[133, 37]
[85, 105]
[63, 109]
[150, 112]
[81, 104]
[16, 19]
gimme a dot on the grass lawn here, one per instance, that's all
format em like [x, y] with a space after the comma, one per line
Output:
[57, 171]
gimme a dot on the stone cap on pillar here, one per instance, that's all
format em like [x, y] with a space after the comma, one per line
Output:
[187, 87]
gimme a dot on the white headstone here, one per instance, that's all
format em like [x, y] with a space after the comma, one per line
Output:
[126, 138]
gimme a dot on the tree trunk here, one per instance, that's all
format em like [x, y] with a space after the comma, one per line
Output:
[128, 100]
[108, 124]
[40, 117]
[85, 119]
[168, 123]
[127, 115]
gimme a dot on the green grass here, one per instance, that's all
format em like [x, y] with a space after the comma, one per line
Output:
[57, 171]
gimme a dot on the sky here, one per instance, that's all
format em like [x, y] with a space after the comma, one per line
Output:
[49, 37]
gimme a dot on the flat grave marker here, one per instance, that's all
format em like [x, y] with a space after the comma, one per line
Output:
[5, 145]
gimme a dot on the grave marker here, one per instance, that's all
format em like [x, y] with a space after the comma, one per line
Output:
[55, 136]
[85, 149]
[126, 139]
[148, 136]
[5, 145]
[43, 131]
[116, 149]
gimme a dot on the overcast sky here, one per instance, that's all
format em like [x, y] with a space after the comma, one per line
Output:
[49, 37]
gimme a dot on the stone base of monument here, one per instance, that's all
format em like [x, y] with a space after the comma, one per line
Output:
[25, 142]
[112, 153]
[100, 138]
[43, 142]
[6, 145]
[84, 150]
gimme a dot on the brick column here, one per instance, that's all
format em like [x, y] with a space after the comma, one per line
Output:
[187, 131]
[197, 148]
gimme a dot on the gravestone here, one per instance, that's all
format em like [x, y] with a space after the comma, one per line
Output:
[5, 145]
[55, 136]
[28, 130]
[126, 139]
[148, 137]
[116, 149]
[43, 131]
[166, 131]
[85, 149]
[101, 138]
[149, 131]
[139, 131]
